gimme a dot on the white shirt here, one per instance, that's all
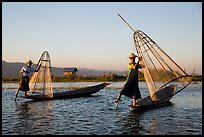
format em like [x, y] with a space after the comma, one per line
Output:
[26, 71]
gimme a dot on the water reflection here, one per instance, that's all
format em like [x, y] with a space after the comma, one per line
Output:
[97, 115]
[133, 124]
[136, 123]
[34, 117]
[129, 123]
[153, 125]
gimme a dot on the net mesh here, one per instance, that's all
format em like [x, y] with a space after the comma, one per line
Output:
[158, 68]
[41, 81]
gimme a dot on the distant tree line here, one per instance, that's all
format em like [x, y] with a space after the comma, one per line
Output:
[104, 78]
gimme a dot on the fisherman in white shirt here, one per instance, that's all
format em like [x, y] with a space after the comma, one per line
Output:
[26, 70]
[24, 83]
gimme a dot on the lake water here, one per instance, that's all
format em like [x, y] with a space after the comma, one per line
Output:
[96, 115]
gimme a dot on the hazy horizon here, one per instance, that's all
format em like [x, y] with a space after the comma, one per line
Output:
[74, 66]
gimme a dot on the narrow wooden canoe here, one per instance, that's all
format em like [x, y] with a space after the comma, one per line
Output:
[164, 95]
[86, 91]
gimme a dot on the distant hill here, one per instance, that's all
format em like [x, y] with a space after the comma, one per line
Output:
[11, 69]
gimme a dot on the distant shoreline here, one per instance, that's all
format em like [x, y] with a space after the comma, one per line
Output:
[103, 78]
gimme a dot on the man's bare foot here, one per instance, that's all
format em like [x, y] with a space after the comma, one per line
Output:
[136, 105]
[25, 94]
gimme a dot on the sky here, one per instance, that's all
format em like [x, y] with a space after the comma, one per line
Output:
[92, 35]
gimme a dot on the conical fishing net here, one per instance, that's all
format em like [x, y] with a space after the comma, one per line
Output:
[41, 81]
[158, 68]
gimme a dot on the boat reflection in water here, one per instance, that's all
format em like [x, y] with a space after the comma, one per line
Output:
[34, 117]
[135, 122]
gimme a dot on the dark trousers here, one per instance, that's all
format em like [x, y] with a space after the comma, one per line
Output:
[24, 84]
[131, 88]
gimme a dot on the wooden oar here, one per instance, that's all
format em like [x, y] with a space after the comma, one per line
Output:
[116, 104]
[16, 94]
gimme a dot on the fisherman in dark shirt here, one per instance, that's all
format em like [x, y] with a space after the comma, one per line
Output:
[131, 88]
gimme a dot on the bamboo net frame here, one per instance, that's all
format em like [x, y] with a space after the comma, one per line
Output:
[41, 81]
[160, 70]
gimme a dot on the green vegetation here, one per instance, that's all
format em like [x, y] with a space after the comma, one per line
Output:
[197, 78]
[11, 79]
[87, 78]
[101, 78]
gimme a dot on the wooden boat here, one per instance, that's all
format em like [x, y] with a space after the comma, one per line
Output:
[41, 84]
[164, 95]
[162, 74]
[86, 91]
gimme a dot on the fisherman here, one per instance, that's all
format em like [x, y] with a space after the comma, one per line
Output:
[24, 83]
[131, 88]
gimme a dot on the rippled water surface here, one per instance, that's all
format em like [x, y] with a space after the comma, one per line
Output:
[96, 115]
